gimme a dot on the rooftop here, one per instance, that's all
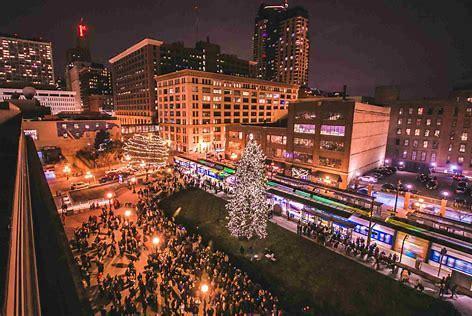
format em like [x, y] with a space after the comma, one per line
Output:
[135, 47]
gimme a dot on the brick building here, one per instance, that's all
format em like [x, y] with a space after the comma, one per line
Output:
[431, 132]
[328, 141]
[194, 106]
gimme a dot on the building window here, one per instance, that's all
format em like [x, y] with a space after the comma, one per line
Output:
[464, 136]
[332, 145]
[423, 156]
[426, 132]
[433, 157]
[400, 111]
[335, 116]
[304, 128]
[277, 139]
[333, 130]
[408, 131]
[436, 133]
[428, 122]
[31, 132]
[460, 160]
[405, 154]
[406, 142]
[449, 148]
[425, 144]
[409, 121]
[410, 111]
[420, 111]
[415, 143]
[399, 131]
[399, 121]
[413, 155]
[305, 115]
[417, 132]
[330, 162]
[302, 157]
[438, 121]
[304, 142]
[462, 148]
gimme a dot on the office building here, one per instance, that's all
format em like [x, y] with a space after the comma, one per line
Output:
[81, 51]
[26, 62]
[58, 101]
[134, 69]
[281, 43]
[431, 133]
[92, 84]
[194, 107]
[325, 141]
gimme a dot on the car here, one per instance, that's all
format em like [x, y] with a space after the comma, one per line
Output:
[370, 179]
[388, 187]
[105, 179]
[432, 185]
[112, 170]
[423, 178]
[459, 177]
[460, 190]
[66, 200]
[79, 185]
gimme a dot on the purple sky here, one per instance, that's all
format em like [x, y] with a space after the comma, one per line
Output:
[421, 45]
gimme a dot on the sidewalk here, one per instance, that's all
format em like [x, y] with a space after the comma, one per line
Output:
[462, 303]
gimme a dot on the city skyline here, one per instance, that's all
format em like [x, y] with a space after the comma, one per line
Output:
[349, 44]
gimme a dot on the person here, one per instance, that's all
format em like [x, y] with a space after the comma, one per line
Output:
[418, 263]
[405, 276]
[419, 285]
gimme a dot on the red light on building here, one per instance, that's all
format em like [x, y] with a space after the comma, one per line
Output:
[82, 30]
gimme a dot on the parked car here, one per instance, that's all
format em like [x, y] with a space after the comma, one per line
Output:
[79, 185]
[105, 179]
[459, 177]
[66, 200]
[388, 187]
[423, 178]
[369, 179]
[112, 170]
[432, 185]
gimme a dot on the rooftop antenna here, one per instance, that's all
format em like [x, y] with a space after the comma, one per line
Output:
[196, 9]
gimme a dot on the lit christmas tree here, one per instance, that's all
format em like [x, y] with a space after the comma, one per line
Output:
[247, 206]
[149, 150]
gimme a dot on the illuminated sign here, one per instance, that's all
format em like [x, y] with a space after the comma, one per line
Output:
[82, 30]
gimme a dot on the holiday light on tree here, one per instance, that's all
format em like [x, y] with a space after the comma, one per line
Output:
[146, 150]
[247, 206]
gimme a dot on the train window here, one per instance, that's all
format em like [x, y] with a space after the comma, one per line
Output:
[452, 262]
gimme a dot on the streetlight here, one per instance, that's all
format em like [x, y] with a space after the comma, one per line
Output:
[127, 215]
[443, 253]
[155, 242]
[204, 288]
[396, 197]
[445, 194]
[370, 218]
[66, 170]
[403, 244]
[109, 196]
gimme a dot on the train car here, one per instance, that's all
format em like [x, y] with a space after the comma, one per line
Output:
[383, 235]
[453, 259]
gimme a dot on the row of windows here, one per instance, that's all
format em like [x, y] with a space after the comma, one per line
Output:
[431, 111]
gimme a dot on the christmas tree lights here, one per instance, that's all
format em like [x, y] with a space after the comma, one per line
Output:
[149, 150]
[247, 206]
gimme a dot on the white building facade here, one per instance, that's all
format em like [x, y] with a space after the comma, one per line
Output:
[58, 101]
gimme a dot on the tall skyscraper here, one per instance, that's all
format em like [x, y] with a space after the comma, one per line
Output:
[81, 51]
[90, 80]
[25, 62]
[281, 44]
[134, 69]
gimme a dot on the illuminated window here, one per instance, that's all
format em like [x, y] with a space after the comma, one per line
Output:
[304, 142]
[462, 148]
[333, 130]
[332, 145]
[304, 128]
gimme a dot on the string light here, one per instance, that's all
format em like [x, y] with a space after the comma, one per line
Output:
[248, 207]
[148, 150]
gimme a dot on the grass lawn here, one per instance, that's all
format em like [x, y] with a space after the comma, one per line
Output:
[305, 273]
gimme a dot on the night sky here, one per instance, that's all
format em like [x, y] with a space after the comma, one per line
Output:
[421, 45]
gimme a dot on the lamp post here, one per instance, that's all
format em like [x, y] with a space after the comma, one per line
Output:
[127, 215]
[396, 197]
[403, 244]
[66, 170]
[155, 242]
[109, 196]
[443, 253]
[442, 211]
[370, 218]
[133, 184]
[204, 288]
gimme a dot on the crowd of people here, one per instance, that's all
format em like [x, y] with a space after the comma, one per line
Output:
[179, 274]
[330, 237]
